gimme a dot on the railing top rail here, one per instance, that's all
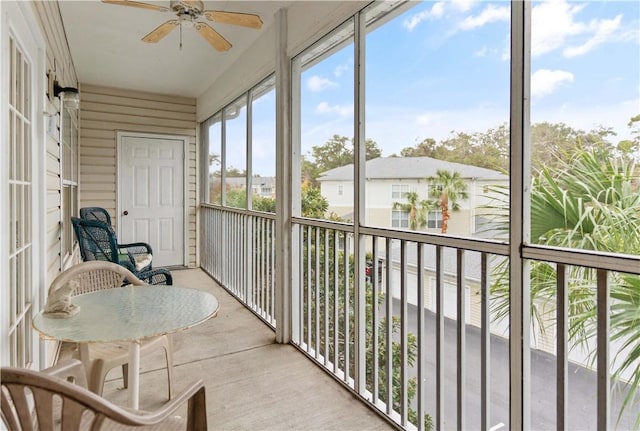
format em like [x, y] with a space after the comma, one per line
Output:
[585, 258]
[243, 211]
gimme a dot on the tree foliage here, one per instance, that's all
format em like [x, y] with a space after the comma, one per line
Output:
[446, 190]
[337, 151]
[587, 202]
[416, 208]
[552, 144]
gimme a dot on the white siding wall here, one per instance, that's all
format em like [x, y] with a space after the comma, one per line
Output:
[58, 60]
[104, 111]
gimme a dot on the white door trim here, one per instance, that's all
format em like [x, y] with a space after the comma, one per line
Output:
[185, 193]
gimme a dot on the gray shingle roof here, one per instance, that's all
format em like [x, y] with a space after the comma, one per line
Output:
[410, 167]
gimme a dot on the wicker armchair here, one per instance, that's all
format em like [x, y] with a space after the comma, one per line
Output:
[98, 241]
[82, 409]
[93, 276]
[95, 213]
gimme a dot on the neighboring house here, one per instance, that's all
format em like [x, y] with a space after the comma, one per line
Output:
[265, 187]
[389, 179]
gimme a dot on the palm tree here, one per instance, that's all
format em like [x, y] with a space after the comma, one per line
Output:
[447, 189]
[417, 210]
[591, 202]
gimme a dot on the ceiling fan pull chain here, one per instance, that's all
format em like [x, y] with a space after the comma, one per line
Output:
[180, 36]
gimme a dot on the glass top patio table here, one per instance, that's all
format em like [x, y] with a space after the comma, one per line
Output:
[130, 313]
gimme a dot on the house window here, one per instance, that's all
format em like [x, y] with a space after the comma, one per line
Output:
[340, 190]
[266, 190]
[434, 219]
[399, 191]
[399, 218]
[69, 161]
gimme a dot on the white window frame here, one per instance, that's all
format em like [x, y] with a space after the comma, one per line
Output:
[436, 218]
[398, 218]
[399, 192]
[69, 176]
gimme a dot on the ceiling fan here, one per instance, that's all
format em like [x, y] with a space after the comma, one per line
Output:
[188, 12]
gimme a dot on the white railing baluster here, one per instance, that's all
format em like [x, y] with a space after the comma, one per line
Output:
[404, 332]
[375, 315]
[346, 307]
[439, 423]
[389, 328]
[336, 280]
[485, 346]
[461, 339]
[420, 336]
[317, 292]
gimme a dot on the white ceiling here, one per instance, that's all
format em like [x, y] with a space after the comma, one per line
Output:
[105, 45]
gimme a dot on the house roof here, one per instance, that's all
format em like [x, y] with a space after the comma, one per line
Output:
[410, 167]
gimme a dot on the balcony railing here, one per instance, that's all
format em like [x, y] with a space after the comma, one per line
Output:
[443, 359]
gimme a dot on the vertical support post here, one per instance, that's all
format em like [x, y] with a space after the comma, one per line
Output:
[359, 206]
[284, 155]
[562, 347]
[249, 159]
[520, 232]
[604, 384]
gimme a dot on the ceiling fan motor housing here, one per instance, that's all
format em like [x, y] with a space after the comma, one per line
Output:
[192, 8]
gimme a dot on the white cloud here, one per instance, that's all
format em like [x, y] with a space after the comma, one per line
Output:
[482, 52]
[490, 14]
[555, 22]
[341, 110]
[463, 5]
[436, 11]
[429, 118]
[317, 83]
[341, 69]
[604, 29]
[544, 81]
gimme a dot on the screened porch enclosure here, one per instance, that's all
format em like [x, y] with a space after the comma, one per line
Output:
[473, 329]
[389, 251]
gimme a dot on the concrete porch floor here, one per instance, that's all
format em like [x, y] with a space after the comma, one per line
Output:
[252, 383]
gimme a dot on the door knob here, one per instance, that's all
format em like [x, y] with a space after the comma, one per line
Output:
[126, 213]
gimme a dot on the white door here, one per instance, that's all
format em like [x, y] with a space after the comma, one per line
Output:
[151, 194]
[21, 197]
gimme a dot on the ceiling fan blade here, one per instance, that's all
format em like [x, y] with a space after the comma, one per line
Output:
[236, 18]
[137, 4]
[213, 37]
[161, 31]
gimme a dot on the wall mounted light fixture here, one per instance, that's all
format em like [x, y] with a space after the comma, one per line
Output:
[69, 95]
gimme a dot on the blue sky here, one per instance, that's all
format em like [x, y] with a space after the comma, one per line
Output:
[443, 66]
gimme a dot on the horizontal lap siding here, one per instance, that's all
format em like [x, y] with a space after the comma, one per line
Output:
[104, 112]
[59, 62]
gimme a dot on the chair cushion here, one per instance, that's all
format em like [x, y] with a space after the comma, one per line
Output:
[142, 260]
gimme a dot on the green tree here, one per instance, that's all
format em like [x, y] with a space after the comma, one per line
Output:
[446, 189]
[336, 152]
[416, 208]
[314, 205]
